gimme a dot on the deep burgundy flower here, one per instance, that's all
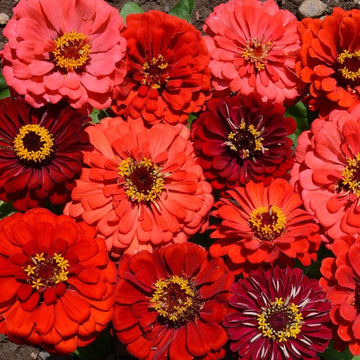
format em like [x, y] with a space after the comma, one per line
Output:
[242, 138]
[40, 152]
[280, 315]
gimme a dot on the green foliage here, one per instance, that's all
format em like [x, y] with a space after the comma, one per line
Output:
[4, 90]
[183, 9]
[130, 8]
[299, 113]
[331, 354]
[96, 115]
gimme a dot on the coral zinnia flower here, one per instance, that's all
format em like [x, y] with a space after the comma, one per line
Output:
[280, 314]
[341, 281]
[64, 49]
[241, 139]
[326, 172]
[170, 304]
[56, 281]
[142, 187]
[253, 48]
[264, 224]
[168, 75]
[40, 152]
[330, 60]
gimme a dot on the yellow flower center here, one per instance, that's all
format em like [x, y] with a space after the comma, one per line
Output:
[45, 271]
[33, 143]
[142, 180]
[245, 141]
[256, 52]
[280, 321]
[72, 51]
[351, 176]
[268, 224]
[176, 299]
[154, 72]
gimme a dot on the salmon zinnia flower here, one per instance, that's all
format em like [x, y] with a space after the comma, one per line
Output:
[167, 63]
[56, 281]
[264, 224]
[241, 138]
[327, 171]
[141, 187]
[280, 315]
[40, 152]
[170, 304]
[64, 49]
[330, 60]
[341, 281]
[253, 48]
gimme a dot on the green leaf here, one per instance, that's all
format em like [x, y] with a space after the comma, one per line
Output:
[183, 9]
[96, 115]
[130, 8]
[4, 91]
[191, 119]
[299, 113]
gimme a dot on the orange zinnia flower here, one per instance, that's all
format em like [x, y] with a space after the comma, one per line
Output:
[168, 75]
[330, 60]
[56, 281]
[141, 187]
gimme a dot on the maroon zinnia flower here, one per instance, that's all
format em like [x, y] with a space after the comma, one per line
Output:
[40, 152]
[281, 315]
[241, 139]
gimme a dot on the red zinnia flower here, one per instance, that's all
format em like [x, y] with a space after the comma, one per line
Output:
[330, 60]
[142, 187]
[167, 63]
[241, 139]
[327, 171]
[280, 315]
[253, 48]
[264, 224]
[40, 152]
[341, 281]
[56, 281]
[170, 304]
[64, 49]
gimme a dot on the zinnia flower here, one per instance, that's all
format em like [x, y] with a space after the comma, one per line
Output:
[56, 281]
[330, 60]
[170, 304]
[253, 48]
[167, 63]
[242, 138]
[264, 224]
[326, 172]
[280, 315]
[40, 152]
[64, 49]
[141, 187]
[341, 281]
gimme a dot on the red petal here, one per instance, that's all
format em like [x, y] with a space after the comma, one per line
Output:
[76, 308]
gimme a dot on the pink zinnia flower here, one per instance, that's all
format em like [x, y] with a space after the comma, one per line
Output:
[64, 49]
[253, 47]
[326, 172]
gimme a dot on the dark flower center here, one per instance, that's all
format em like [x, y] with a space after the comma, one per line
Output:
[256, 52]
[268, 224]
[176, 299]
[72, 51]
[45, 271]
[34, 144]
[142, 180]
[246, 141]
[280, 321]
[154, 72]
[349, 67]
[351, 177]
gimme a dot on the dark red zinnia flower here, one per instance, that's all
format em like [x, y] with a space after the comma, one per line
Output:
[242, 138]
[280, 315]
[40, 152]
[56, 281]
[170, 303]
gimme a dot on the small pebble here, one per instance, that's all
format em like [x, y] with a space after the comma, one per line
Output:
[312, 8]
[4, 18]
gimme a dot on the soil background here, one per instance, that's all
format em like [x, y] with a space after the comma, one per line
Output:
[114, 350]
